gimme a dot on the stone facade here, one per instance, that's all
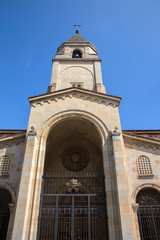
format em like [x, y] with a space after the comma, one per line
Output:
[83, 117]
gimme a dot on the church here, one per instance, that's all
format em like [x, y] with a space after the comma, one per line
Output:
[74, 174]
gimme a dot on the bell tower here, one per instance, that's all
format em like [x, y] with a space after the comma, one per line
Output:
[77, 65]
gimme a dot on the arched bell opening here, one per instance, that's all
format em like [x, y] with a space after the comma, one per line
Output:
[149, 213]
[5, 200]
[73, 203]
[77, 54]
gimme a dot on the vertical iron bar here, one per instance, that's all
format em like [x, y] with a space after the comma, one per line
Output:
[40, 212]
[140, 224]
[56, 220]
[72, 221]
[89, 223]
[105, 209]
[154, 223]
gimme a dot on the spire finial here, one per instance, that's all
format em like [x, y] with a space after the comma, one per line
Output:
[77, 25]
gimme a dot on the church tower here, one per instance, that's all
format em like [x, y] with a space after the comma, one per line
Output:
[77, 65]
[74, 181]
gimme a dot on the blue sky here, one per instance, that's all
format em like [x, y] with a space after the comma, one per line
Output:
[125, 32]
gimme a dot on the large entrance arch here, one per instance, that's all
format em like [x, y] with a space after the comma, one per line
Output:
[73, 201]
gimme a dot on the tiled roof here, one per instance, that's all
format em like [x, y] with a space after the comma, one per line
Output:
[77, 38]
[150, 134]
[10, 132]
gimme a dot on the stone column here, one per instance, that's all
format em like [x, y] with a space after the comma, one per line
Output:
[54, 78]
[26, 189]
[135, 207]
[37, 192]
[122, 190]
[98, 76]
[11, 220]
[110, 187]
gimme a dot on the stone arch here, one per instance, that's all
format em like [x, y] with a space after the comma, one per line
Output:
[55, 119]
[76, 74]
[145, 185]
[52, 129]
[42, 140]
[7, 214]
[10, 190]
[78, 67]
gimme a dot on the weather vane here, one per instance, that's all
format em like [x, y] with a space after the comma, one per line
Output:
[77, 25]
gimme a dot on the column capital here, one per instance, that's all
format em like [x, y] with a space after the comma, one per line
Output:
[135, 207]
[114, 133]
[32, 132]
[11, 206]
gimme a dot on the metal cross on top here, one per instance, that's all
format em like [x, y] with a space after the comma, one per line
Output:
[77, 25]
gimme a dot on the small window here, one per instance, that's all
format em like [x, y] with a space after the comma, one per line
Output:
[77, 54]
[77, 84]
[5, 165]
[144, 166]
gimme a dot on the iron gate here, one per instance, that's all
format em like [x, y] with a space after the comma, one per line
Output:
[149, 222]
[73, 207]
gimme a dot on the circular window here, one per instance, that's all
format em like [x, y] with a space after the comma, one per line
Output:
[75, 157]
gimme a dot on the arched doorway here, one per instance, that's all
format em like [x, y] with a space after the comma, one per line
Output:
[149, 213]
[5, 199]
[73, 201]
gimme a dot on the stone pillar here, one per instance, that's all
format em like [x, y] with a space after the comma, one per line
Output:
[110, 187]
[11, 220]
[122, 190]
[37, 193]
[26, 189]
[98, 77]
[54, 77]
[135, 207]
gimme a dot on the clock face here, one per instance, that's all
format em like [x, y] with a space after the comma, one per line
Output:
[75, 157]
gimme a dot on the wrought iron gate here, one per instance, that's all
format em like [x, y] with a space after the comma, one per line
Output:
[149, 222]
[73, 207]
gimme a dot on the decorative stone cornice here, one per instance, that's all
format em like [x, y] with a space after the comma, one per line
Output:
[78, 60]
[79, 43]
[12, 140]
[84, 94]
[141, 142]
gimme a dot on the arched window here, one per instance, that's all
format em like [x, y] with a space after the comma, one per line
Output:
[5, 199]
[144, 166]
[77, 54]
[5, 165]
[77, 84]
[149, 213]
